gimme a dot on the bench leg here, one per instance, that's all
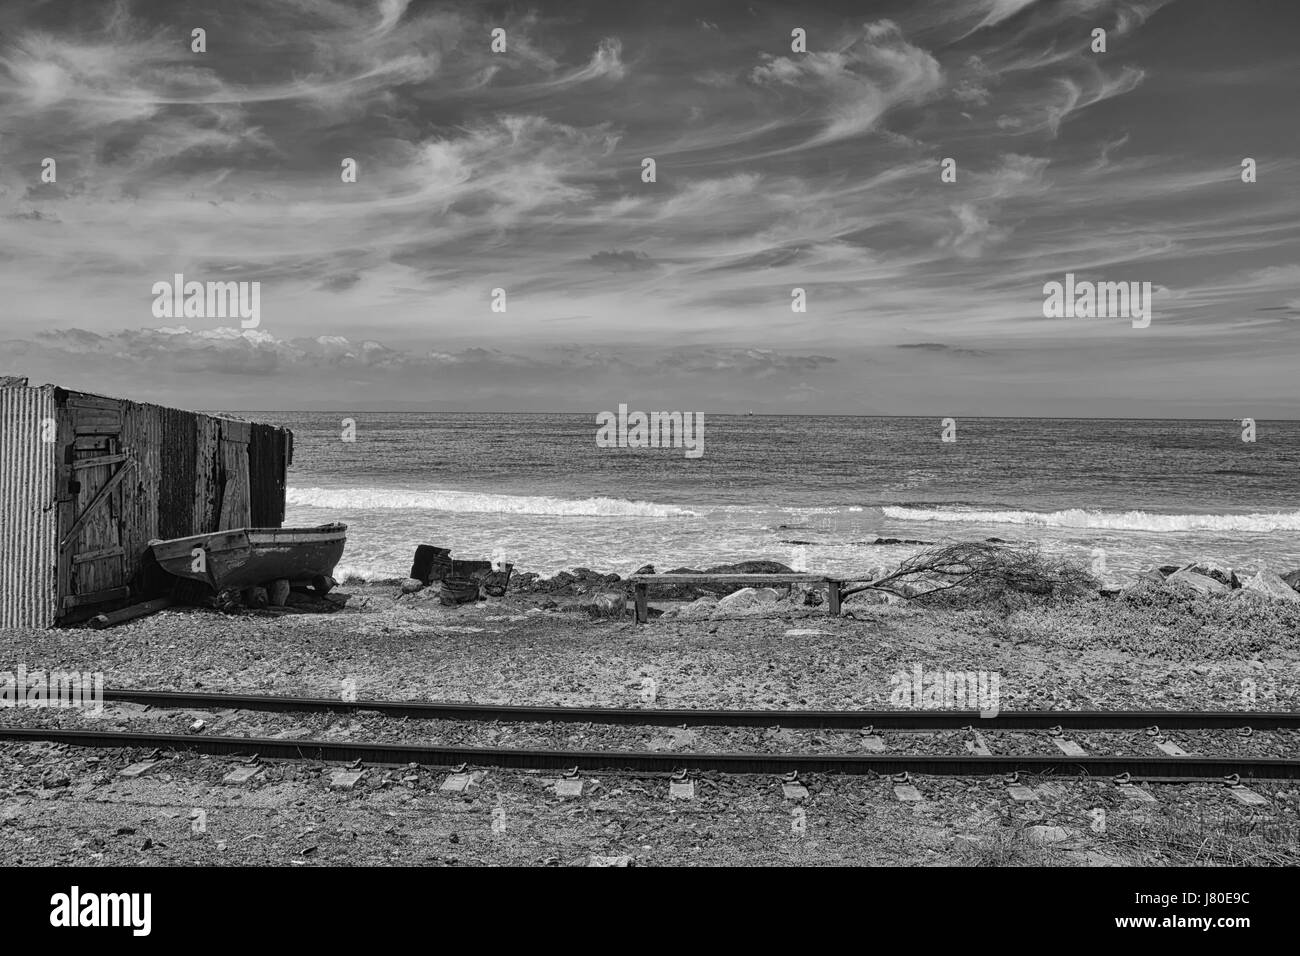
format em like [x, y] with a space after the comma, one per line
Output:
[833, 598]
[642, 605]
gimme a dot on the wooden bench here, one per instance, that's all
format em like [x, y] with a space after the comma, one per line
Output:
[642, 582]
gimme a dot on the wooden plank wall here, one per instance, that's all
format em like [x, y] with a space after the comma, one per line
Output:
[209, 476]
[191, 474]
[234, 512]
[270, 450]
[177, 479]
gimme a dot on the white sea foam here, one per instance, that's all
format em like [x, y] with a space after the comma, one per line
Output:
[1116, 521]
[391, 499]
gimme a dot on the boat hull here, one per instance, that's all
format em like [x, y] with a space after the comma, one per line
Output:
[249, 557]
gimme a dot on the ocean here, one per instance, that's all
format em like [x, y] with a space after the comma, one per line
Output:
[812, 492]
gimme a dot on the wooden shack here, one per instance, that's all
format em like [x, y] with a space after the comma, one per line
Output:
[87, 481]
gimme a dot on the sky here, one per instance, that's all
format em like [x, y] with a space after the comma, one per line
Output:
[775, 169]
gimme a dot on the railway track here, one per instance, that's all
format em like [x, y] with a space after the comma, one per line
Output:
[1163, 766]
[919, 720]
[1188, 767]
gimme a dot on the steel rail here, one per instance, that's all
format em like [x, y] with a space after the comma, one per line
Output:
[829, 719]
[1198, 767]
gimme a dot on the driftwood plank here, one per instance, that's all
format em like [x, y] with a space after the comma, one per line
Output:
[130, 613]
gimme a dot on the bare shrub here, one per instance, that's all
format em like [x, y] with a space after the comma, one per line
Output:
[983, 573]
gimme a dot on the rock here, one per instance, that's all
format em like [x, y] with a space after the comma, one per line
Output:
[1293, 579]
[1153, 575]
[872, 597]
[805, 595]
[901, 541]
[697, 610]
[608, 604]
[1225, 576]
[558, 583]
[645, 569]
[1200, 583]
[1167, 569]
[682, 592]
[1270, 585]
[412, 585]
[746, 599]
[1047, 834]
[524, 582]
[751, 567]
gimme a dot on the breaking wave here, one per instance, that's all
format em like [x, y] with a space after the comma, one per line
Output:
[389, 499]
[1117, 521]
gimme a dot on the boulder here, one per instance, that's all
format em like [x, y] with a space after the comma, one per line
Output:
[1225, 576]
[645, 569]
[608, 604]
[751, 567]
[524, 582]
[1047, 834]
[805, 595]
[411, 585]
[1200, 583]
[1153, 575]
[681, 592]
[1269, 584]
[1167, 569]
[560, 582]
[698, 610]
[1293, 579]
[872, 597]
[747, 599]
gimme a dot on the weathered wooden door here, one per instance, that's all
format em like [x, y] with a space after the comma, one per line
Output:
[98, 477]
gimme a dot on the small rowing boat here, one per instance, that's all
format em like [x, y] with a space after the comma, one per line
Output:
[249, 557]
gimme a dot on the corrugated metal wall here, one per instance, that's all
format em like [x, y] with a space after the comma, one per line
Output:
[28, 516]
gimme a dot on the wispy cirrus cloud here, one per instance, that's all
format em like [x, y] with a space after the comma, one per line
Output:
[522, 171]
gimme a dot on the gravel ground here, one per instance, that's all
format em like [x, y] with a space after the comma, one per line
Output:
[509, 651]
[64, 805]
